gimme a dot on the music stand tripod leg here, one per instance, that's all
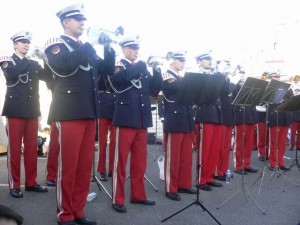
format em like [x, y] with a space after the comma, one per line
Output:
[244, 187]
[147, 181]
[96, 180]
[196, 202]
[150, 183]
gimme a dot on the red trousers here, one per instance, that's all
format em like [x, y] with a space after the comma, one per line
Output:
[196, 139]
[224, 156]
[131, 140]
[53, 152]
[105, 125]
[263, 139]
[178, 161]
[209, 151]
[277, 139]
[243, 133]
[76, 142]
[295, 130]
[19, 129]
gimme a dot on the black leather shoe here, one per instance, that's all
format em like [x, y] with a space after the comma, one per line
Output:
[85, 221]
[51, 183]
[36, 188]
[109, 174]
[214, 184]
[291, 149]
[187, 191]
[66, 223]
[251, 170]
[240, 171]
[205, 187]
[284, 168]
[221, 178]
[145, 202]
[119, 208]
[103, 177]
[173, 196]
[16, 193]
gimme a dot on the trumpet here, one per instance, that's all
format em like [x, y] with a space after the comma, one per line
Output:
[295, 78]
[265, 76]
[103, 36]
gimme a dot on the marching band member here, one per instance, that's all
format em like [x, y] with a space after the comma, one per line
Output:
[245, 120]
[107, 107]
[226, 126]
[295, 127]
[74, 110]
[262, 131]
[278, 124]
[210, 134]
[178, 128]
[133, 84]
[262, 136]
[22, 81]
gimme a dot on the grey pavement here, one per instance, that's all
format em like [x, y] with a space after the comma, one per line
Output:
[279, 198]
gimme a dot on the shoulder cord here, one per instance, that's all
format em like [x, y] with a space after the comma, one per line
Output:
[19, 77]
[75, 71]
[135, 83]
[170, 101]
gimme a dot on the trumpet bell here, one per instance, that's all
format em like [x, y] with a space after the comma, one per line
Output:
[104, 37]
[261, 108]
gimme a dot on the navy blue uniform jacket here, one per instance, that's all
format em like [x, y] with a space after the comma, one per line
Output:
[22, 80]
[247, 115]
[106, 98]
[132, 107]
[177, 118]
[278, 118]
[75, 94]
[226, 105]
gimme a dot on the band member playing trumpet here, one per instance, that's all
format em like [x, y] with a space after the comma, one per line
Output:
[107, 107]
[178, 128]
[278, 124]
[209, 118]
[22, 109]
[74, 109]
[295, 127]
[133, 84]
[245, 120]
[262, 131]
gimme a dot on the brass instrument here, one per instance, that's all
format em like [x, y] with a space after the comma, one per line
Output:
[265, 76]
[98, 35]
[295, 78]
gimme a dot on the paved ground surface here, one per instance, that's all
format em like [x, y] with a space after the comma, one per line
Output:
[279, 199]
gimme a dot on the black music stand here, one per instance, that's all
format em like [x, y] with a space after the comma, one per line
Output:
[249, 95]
[281, 89]
[293, 104]
[199, 89]
[273, 94]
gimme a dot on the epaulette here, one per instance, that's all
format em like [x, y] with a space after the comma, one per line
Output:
[5, 59]
[52, 41]
[119, 63]
[167, 76]
[119, 66]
